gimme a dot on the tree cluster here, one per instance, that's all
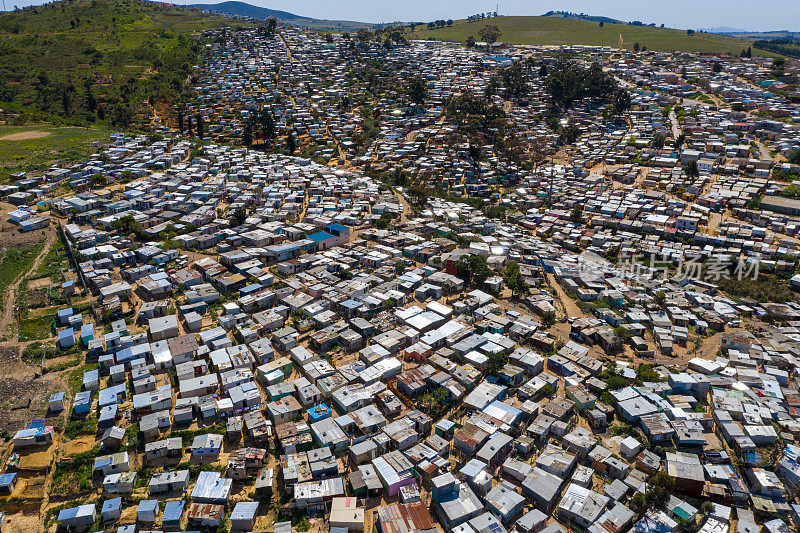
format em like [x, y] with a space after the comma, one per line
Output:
[567, 83]
[513, 279]
[473, 269]
[416, 90]
[489, 34]
[513, 80]
[439, 23]
[259, 125]
[481, 123]
[481, 16]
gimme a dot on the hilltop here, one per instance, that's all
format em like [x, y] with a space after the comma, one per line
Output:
[550, 30]
[244, 9]
[100, 61]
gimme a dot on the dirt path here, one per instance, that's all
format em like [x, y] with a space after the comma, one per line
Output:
[25, 135]
[11, 295]
[406, 207]
[286, 45]
[763, 150]
[676, 128]
[569, 307]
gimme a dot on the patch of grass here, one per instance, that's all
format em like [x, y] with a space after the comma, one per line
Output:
[195, 469]
[75, 380]
[552, 30]
[79, 427]
[63, 144]
[767, 288]
[15, 262]
[188, 435]
[74, 475]
[52, 262]
[36, 329]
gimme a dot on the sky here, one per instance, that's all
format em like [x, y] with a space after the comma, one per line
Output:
[760, 15]
[754, 16]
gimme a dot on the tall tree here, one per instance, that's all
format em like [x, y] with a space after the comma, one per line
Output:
[291, 143]
[267, 124]
[417, 90]
[199, 119]
[247, 134]
[489, 34]
[91, 101]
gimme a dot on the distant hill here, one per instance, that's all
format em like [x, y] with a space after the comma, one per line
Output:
[557, 30]
[768, 35]
[582, 16]
[723, 30]
[243, 9]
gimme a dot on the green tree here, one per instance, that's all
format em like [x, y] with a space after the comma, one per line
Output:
[622, 101]
[691, 169]
[470, 41]
[495, 363]
[658, 141]
[660, 297]
[636, 47]
[568, 82]
[267, 124]
[473, 268]
[489, 34]
[417, 195]
[548, 319]
[417, 90]
[363, 36]
[291, 143]
[794, 157]
[247, 134]
[199, 119]
[180, 119]
[238, 217]
[513, 279]
[577, 213]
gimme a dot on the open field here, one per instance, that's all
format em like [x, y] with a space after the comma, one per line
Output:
[35, 148]
[559, 31]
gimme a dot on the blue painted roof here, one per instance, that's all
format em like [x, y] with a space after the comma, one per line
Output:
[112, 504]
[320, 236]
[173, 511]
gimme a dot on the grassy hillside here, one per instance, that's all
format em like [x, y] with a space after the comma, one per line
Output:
[84, 61]
[555, 31]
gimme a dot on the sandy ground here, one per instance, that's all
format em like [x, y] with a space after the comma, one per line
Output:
[25, 135]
